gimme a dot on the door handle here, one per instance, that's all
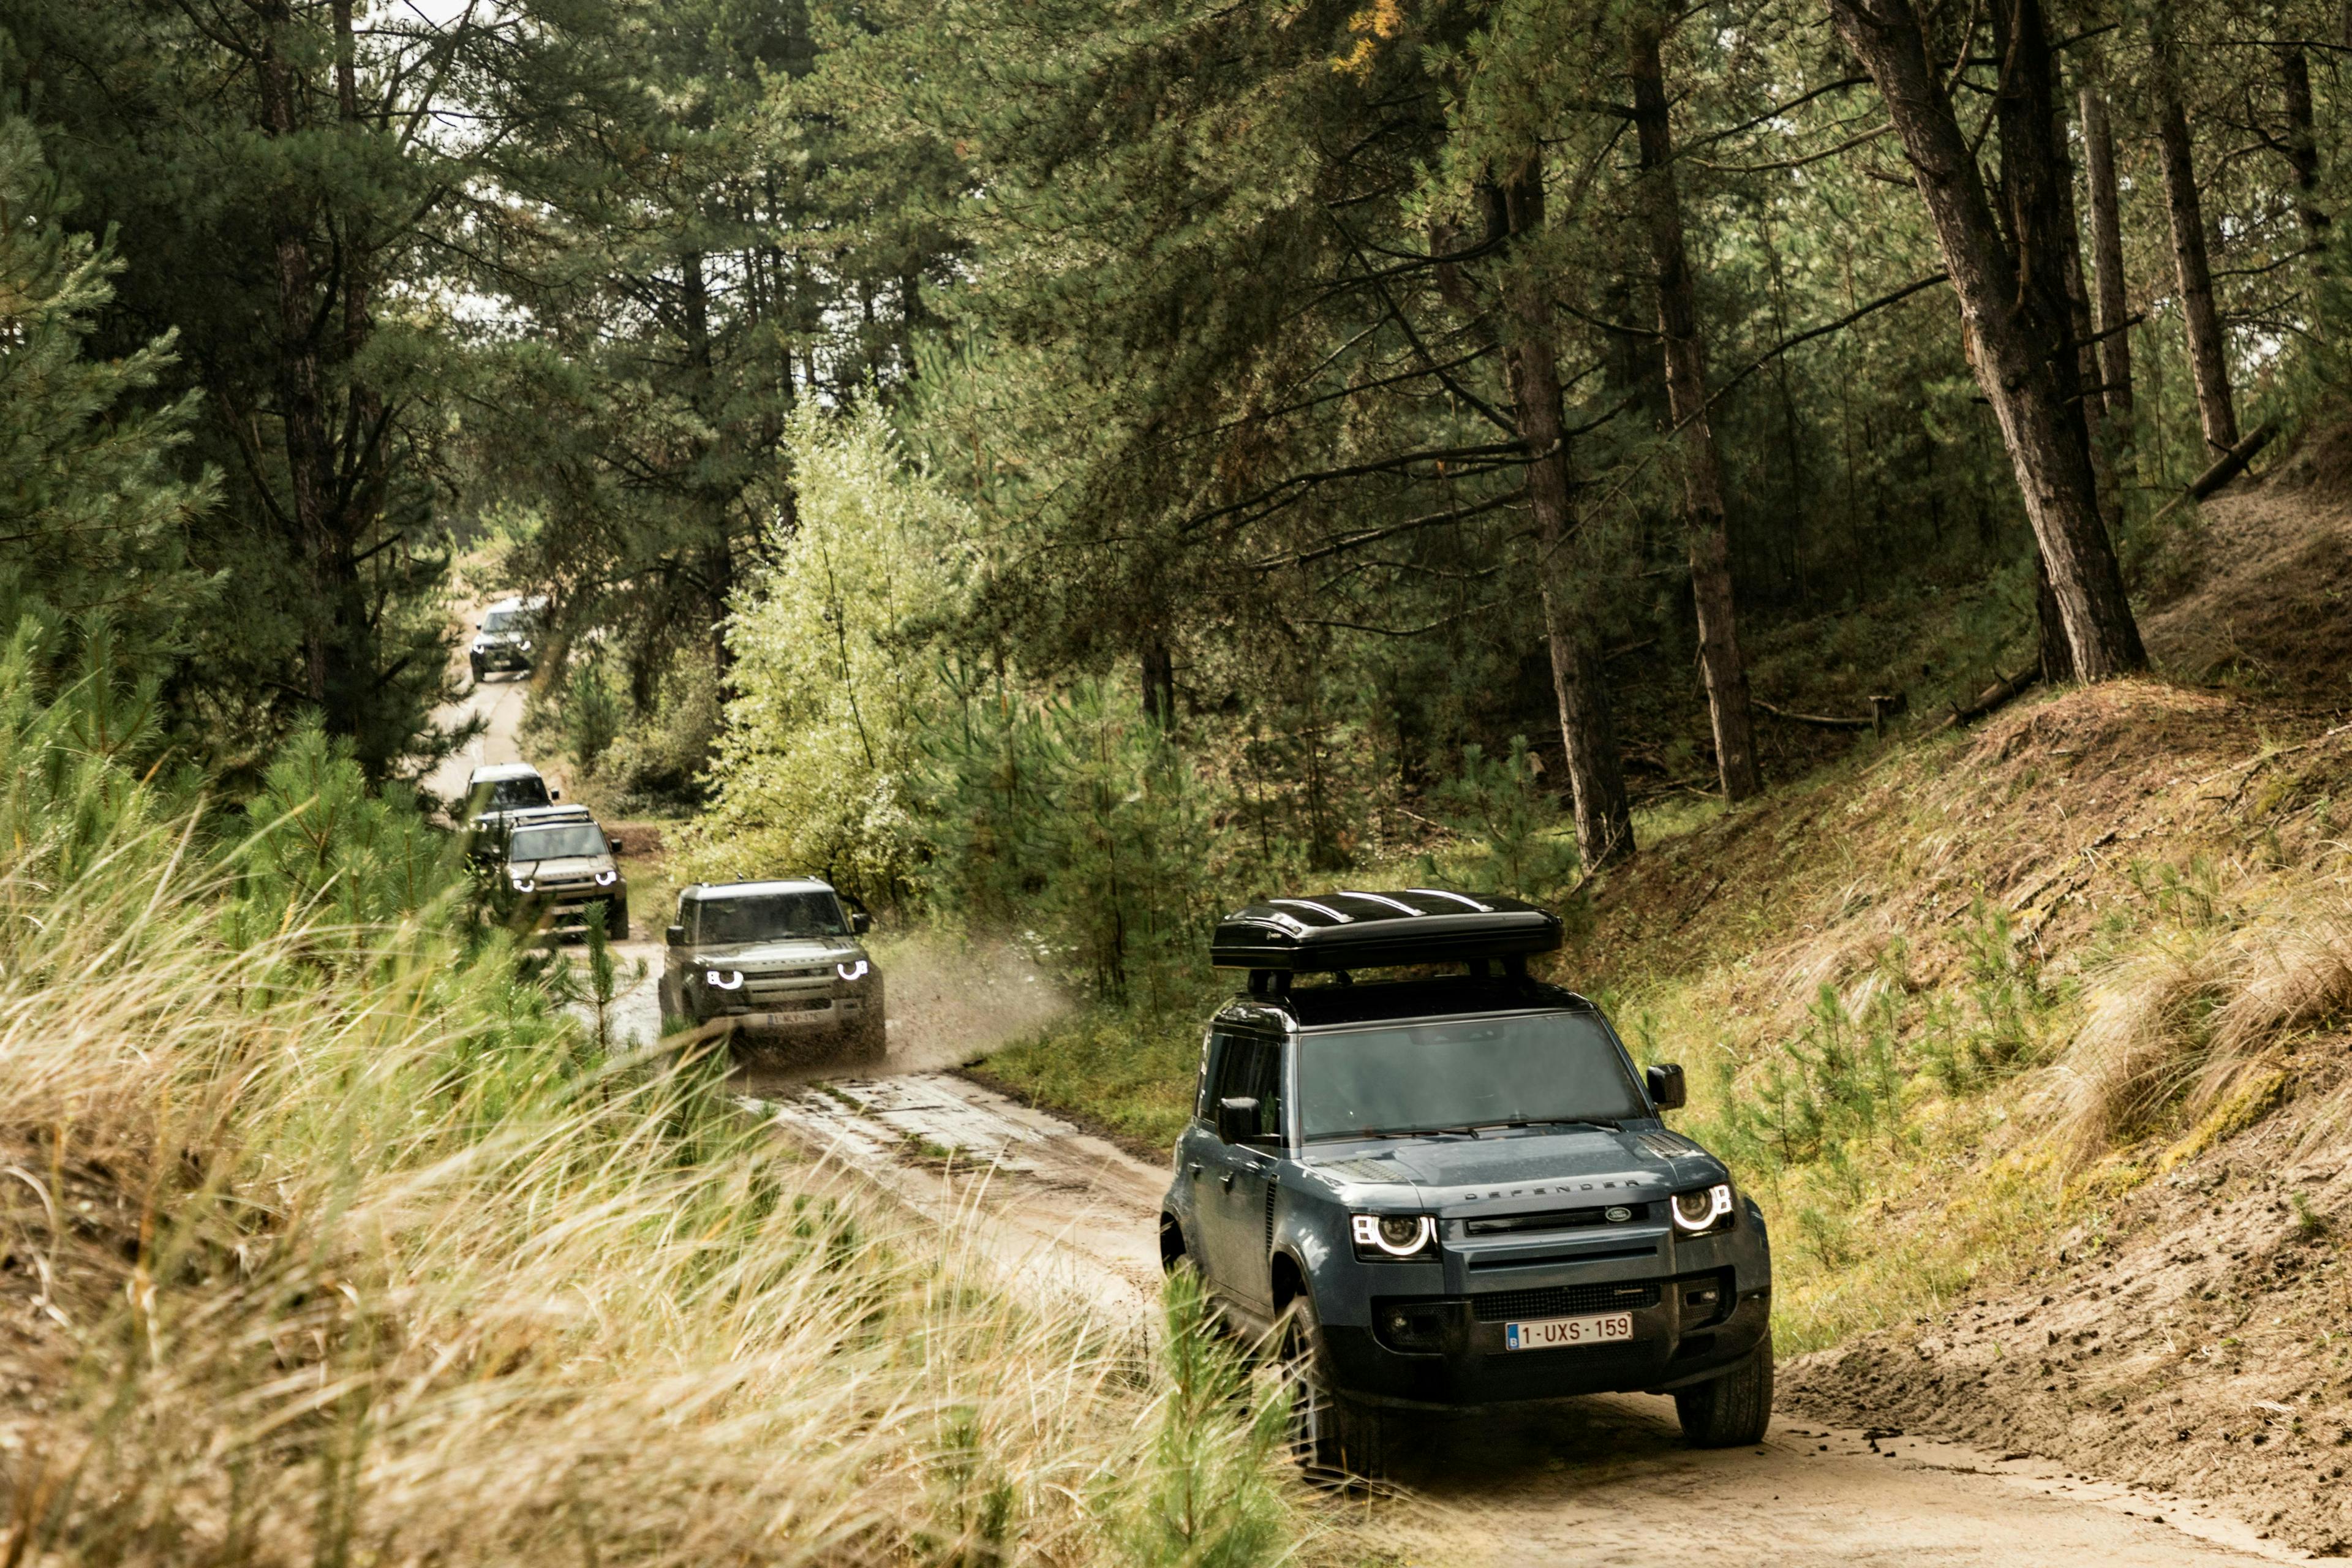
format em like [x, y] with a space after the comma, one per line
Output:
[1228, 1179]
[1195, 1169]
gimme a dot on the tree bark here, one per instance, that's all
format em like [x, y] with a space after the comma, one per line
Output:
[2013, 335]
[2107, 263]
[1604, 820]
[301, 392]
[2209, 352]
[1720, 665]
[2037, 190]
[2303, 156]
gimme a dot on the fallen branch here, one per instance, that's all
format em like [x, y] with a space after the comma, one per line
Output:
[1881, 709]
[1999, 694]
[2228, 466]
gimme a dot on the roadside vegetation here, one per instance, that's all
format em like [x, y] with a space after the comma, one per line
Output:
[328, 1237]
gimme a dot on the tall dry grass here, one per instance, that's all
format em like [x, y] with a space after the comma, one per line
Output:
[2184, 1021]
[329, 1241]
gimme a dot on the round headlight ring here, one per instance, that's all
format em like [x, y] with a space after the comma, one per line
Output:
[1397, 1235]
[606, 879]
[1703, 1210]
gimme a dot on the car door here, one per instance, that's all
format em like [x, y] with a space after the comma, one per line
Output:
[1239, 1175]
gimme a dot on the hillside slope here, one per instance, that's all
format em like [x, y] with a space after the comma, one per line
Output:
[2033, 1041]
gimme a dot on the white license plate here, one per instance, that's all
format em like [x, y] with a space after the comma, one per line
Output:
[1551, 1334]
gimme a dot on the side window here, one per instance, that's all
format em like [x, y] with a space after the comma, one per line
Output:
[1252, 1066]
[1213, 1046]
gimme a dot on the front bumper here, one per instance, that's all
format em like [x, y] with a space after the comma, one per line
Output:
[1451, 1353]
[502, 655]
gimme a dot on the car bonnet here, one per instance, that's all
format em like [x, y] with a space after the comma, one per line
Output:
[1525, 1170]
[761, 954]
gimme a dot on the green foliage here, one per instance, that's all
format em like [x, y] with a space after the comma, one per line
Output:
[1514, 831]
[592, 716]
[834, 693]
[1078, 824]
[1205, 1495]
[94, 511]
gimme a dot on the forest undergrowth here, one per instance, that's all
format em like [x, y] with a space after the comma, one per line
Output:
[328, 1237]
[1948, 1000]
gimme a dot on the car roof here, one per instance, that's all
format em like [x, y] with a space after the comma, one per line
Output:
[1402, 1001]
[547, 817]
[703, 891]
[499, 773]
[1350, 929]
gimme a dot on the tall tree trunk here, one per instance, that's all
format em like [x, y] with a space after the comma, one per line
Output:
[717, 565]
[1604, 820]
[1720, 665]
[2107, 263]
[2007, 322]
[1158, 681]
[2209, 351]
[302, 392]
[2302, 155]
[2038, 190]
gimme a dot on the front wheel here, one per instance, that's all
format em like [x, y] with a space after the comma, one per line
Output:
[475, 666]
[1732, 1410]
[1334, 1439]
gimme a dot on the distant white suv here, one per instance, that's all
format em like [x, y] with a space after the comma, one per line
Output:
[499, 796]
[506, 637]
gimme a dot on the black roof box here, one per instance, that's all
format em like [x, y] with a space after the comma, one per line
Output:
[1365, 930]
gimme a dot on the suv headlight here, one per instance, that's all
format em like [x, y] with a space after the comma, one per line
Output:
[606, 879]
[524, 885]
[1708, 1209]
[1381, 1237]
[723, 979]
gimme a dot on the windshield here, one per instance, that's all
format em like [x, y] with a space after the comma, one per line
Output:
[508, 794]
[507, 621]
[574, 839]
[1477, 1072]
[767, 917]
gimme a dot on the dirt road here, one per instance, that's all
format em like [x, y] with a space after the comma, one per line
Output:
[1600, 1481]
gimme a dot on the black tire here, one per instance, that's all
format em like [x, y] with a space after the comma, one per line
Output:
[476, 664]
[617, 921]
[1733, 1410]
[1336, 1440]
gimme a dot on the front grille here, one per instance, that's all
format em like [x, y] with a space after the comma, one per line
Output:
[1565, 1301]
[1553, 1219]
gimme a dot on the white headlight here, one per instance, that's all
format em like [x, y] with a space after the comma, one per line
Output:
[723, 980]
[1702, 1211]
[524, 885]
[1397, 1235]
[851, 971]
[606, 879]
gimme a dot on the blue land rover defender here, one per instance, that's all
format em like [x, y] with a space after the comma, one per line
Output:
[1454, 1189]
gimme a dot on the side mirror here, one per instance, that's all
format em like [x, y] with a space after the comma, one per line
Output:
[555, 794]
[613, 844]
[675, 936]
[860, 923]
[1237, 1118]
[1667, 1089]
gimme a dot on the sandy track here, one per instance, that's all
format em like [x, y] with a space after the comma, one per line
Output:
[1598, 1481]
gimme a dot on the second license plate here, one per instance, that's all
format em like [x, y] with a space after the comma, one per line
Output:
[1552, 1333]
